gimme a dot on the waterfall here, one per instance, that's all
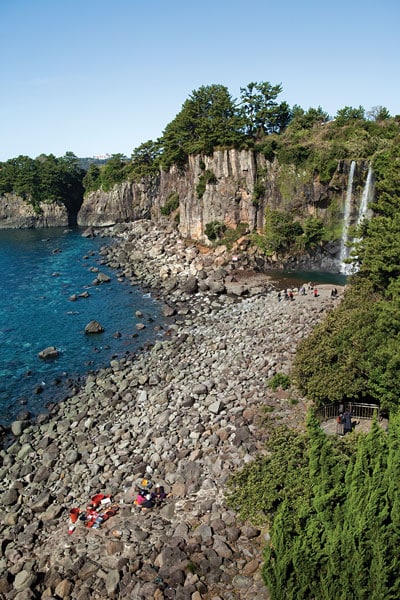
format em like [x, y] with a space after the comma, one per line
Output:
[349, 218]
[346, 221]
[366, 198]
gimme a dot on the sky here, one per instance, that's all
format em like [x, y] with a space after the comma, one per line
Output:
[103, 77]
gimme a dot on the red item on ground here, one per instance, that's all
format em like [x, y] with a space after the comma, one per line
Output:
[97, 499]
[73, 514]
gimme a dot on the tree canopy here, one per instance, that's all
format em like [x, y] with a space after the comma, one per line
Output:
[332, 509]
[44, 179]
[355, 353]
[208, 119]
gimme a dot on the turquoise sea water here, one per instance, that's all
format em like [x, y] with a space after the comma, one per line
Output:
[39, 271]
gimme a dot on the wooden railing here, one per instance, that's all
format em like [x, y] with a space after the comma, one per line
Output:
[357, 409]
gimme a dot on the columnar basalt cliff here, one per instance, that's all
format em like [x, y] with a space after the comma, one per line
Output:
[243, 184]
[230, 187]
[16, 213]
[125, 202]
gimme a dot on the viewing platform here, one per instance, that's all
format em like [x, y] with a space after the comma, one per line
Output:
[361, 416]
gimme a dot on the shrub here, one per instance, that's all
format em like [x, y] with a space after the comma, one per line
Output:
[313, 231]
[281, 231]
[204, 179]
[279, 380]
[231, 235]
[214, 230]
[258, 191]
[171, 204]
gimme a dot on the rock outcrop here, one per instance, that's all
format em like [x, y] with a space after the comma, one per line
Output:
[242, 186]
[231, 187]
[16, 213]
[125, 202]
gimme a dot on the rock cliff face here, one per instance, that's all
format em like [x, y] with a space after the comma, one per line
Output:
[242, 186]
[237, 187]
[125, 202]
[15, 213]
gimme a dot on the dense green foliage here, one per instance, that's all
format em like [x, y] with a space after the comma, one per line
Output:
[342, 543]
[355, 353]
[115, 171]
[44, 179]
[333, 504]
[333, 510]
[214, 230]
[145, 160]
[171, 204]
[281, 231]
[257, 490]
[261, 112]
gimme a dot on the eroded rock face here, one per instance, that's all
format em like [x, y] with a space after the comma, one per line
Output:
[15, 213]
[229, 198]
[125, 202]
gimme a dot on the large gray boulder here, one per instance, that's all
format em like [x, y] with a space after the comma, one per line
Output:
[49, 352]
[94, 327]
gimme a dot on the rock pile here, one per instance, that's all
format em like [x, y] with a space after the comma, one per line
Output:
[188, 410]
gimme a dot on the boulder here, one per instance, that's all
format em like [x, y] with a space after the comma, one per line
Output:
[49, 352]
[103, 278]
[94, 327]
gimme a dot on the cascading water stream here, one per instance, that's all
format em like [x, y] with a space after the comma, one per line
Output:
[349, 217]
[346, 220]
[366, 198]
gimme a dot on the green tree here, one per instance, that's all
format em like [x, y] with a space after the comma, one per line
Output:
[314, 231]
[113, 172]
[92, 179]
[378, 113]
[354, 353]
[27, 179]
[208, 119]
[145, 160]
[343, 544]
[260, 111]
[281, 230]
[302, 119]
[348, 115]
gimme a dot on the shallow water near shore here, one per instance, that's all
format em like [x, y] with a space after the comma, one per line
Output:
[40, 270]
[298, 278]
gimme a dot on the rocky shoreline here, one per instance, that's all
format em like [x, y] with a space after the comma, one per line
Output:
[189, 411]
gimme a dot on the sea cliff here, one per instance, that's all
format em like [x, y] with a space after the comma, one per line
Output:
[231, 186]
[15, 213]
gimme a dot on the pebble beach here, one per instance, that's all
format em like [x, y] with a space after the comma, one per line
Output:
[186, 412]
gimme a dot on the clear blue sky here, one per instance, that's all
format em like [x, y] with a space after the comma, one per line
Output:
[95, 77]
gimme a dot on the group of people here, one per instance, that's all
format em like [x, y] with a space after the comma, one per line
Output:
[149, 496]
[288, 294]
